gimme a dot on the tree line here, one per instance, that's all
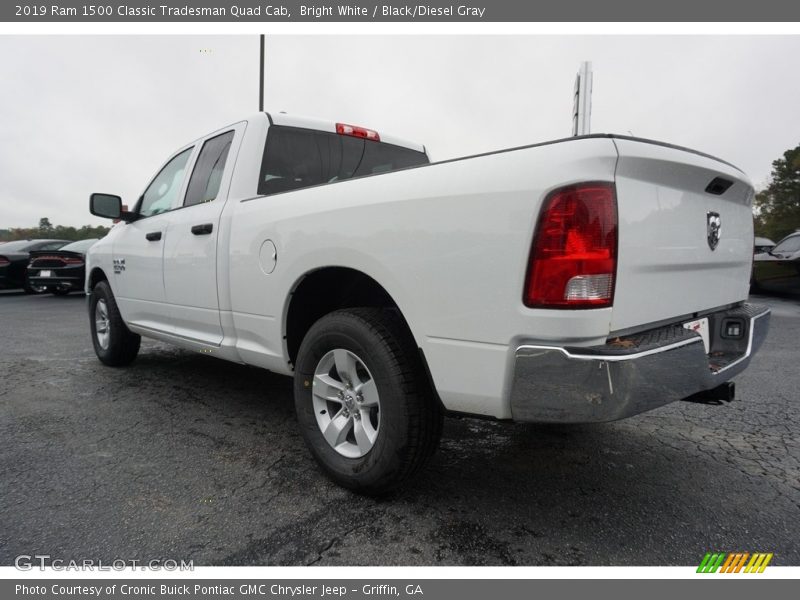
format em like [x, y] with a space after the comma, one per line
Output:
[777, 208]
[48, 231]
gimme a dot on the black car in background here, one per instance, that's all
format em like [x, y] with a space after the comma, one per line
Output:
[777, 270]
[14, 257]
[61, 271]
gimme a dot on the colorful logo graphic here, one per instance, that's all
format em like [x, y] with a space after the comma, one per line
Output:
[734, 562]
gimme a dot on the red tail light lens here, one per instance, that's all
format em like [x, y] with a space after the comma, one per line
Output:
[66, 260]
[573, 259]
[359, 132]
[4, 262]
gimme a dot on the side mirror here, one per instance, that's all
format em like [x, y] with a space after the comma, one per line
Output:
[108, 206]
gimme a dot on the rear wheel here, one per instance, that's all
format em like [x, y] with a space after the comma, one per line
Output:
[114, 344]
[365, 408]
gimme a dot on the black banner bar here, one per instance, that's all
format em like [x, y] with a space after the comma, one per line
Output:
[732, 587]
[394, 11]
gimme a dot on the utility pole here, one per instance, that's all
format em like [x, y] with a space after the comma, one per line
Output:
[261, 76]
[582, 101]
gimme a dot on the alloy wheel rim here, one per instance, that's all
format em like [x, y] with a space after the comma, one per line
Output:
[346, 403]
[101, 324]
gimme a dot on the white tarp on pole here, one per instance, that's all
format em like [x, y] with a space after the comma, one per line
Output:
[582, 101]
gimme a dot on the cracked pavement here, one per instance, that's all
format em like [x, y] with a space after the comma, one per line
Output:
[183, 456]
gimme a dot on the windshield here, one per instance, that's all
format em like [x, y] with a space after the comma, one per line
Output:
[81, 246]
[788, 246]
[18, 246]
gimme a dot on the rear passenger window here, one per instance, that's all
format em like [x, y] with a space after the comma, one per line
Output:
[207, 173]
[295, 158]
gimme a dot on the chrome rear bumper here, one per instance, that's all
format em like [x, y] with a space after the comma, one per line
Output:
[632, 375]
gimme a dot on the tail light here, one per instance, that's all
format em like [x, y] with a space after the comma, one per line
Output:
[67, 260]
[4, 262]
[359, 132]
[573, 259]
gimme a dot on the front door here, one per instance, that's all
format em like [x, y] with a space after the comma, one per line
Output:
[138, 279]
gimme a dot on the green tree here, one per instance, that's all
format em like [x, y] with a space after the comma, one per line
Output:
[45, 228]
[778, 206]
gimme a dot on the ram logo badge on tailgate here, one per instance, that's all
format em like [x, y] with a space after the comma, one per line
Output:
[713, 229]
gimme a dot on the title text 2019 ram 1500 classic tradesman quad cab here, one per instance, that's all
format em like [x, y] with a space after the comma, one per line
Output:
[586, 279]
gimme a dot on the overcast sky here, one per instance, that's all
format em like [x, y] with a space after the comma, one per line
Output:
[101, 113]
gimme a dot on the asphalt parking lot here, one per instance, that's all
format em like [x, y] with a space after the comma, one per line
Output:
[183, 456]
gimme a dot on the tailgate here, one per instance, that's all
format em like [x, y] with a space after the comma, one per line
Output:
[670, 263]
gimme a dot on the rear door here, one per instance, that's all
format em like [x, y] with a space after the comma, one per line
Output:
[191, 248]
[685, 234]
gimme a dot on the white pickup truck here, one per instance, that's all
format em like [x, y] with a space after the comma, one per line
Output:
[580, 280]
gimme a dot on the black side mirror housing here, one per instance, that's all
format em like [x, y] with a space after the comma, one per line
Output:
[109, 206]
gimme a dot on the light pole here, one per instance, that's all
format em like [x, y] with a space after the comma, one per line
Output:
[261, 76]
[582, 101]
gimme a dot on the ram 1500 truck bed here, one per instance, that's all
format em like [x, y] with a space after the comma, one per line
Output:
[584, 279]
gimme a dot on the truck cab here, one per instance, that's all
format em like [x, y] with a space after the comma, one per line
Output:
[167, 270]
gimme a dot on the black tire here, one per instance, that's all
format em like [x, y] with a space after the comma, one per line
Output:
[122, 345]
[59, 291]
[410, 417]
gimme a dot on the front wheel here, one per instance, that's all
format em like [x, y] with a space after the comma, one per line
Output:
[114, 344]
[363, 402]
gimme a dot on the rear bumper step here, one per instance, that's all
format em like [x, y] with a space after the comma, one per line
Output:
[628, 376]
